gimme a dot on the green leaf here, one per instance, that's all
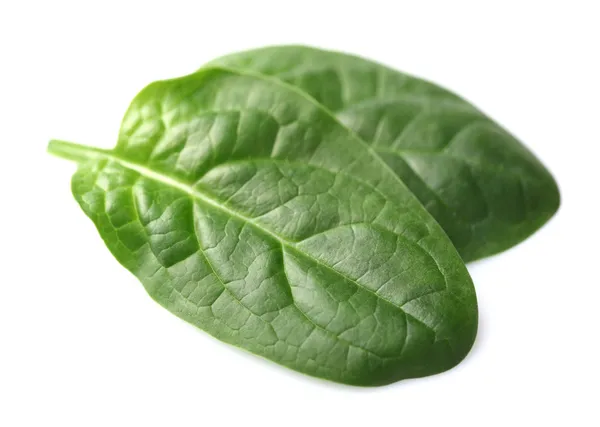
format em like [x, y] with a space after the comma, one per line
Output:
[485, 188]
[246, 209]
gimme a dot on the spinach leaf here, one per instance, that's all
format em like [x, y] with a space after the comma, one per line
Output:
[485, 188]
[247, 210]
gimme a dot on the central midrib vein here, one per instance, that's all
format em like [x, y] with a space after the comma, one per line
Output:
[80, 152]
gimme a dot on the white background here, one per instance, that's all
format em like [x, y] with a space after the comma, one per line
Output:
[81, 344]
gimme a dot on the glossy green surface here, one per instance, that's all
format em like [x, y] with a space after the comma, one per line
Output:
[482, 185]
[246, 209]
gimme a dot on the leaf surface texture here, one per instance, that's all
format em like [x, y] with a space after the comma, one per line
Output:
[481, 184]
[247, 209]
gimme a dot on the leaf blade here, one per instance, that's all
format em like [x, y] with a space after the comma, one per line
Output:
[405, 116]
[211, 254]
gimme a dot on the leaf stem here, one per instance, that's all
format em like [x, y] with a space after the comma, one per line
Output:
[71, 151]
